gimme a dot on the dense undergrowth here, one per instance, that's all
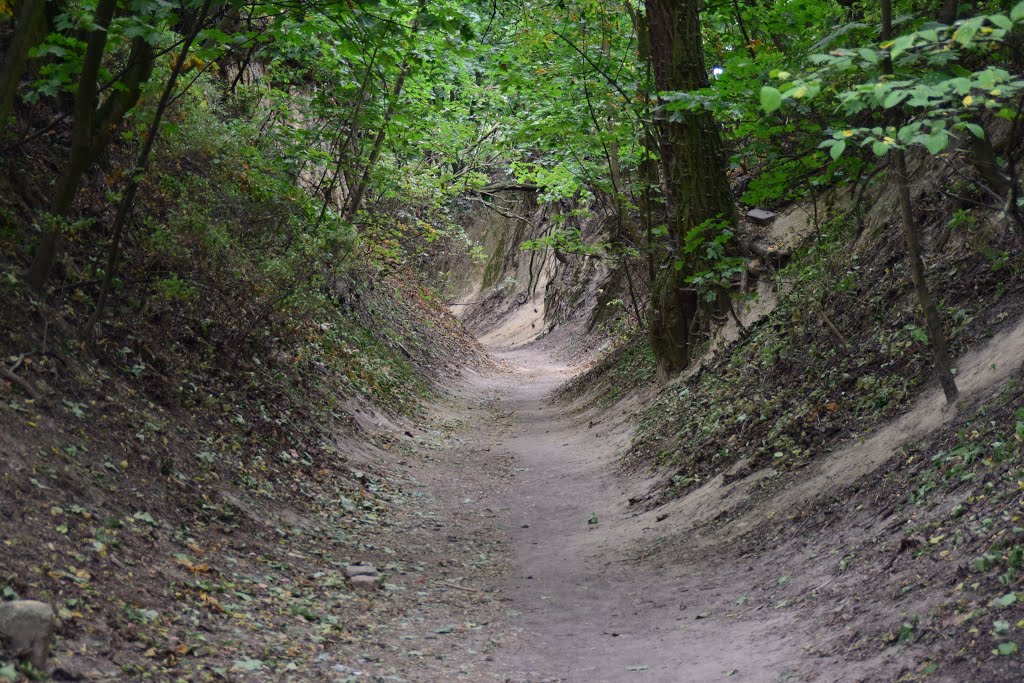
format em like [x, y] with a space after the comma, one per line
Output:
[792, 384]
[937, 571]
[213, 406]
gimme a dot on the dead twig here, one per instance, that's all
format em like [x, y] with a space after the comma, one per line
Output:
[835, 330]
[449, 584]
[21, 382]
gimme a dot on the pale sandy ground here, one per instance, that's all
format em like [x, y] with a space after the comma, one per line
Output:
[584, 609]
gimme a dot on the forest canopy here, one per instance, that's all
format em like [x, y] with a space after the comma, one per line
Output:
[365, 121]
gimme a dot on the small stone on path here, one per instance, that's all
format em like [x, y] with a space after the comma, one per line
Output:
[360, 570]
[760, 216]
[27, 626]
[365, 582]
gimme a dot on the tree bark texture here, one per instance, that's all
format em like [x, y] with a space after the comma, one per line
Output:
[29, 29]
[911, 234]
[81, 145]
[693, 172]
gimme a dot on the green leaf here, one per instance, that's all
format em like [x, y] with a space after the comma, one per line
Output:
[837, 149]
[1006, 600]
[894, 98]
[879, 148]
[959, 85]
[145, 517]
[1001, 20]
[907, 133]
[1017, 13]
[901, 45]
[1006, 649]
[976, 130]
[936, 142]
[868, 55]
[771, 99]
[965, 34]
[248, 664]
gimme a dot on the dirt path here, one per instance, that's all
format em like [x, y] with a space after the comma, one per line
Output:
[582, 608]
[582, 592]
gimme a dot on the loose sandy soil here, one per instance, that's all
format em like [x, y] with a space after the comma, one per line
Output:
[510, 552]
[590, 589]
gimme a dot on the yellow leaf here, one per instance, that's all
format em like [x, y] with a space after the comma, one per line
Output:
[968, 100]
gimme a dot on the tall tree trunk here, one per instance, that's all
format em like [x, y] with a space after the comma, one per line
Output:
[81, 145]
[948, 11]
[378, 143]
[693, 173]
[29, 29]
[124, 207]
[110, 114]
[911, 234]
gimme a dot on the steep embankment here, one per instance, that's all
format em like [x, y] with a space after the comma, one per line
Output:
[836, 575]
[199, 524]
[809, 469]
[508, 295]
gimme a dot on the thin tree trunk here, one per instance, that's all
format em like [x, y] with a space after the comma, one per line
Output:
[378, 142]
[122, 99]
[948, 11]
[648, 167]
[389, 112]
[343, 148]
[81, 146]
[29, 29]
[933, 321]
[743, 29]
[911, 234]
[124, 207]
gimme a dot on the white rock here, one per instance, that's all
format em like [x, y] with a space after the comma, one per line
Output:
[27, 626]
[360, 570]
[365, 582]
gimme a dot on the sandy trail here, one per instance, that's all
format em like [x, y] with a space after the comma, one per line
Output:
[590, 603]
[583, 609]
